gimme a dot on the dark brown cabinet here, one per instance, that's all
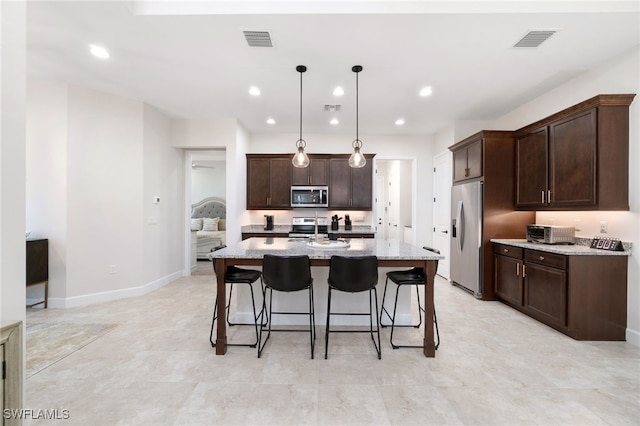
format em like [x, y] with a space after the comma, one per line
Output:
[317, 173]
[491, 154]
[508, 273]
[467, 159]
[268, 181]
[545, 287]
[37, 260]
[350, 189]
[576, 159]
[582, 296]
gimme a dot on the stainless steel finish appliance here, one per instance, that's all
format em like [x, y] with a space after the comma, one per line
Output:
[305, 227]
[466, 236]
[309, 196]
[548, 234]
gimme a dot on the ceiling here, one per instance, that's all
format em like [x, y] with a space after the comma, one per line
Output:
[191, 60]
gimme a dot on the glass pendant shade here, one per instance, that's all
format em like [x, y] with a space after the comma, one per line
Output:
[300, 159]
[357, 159]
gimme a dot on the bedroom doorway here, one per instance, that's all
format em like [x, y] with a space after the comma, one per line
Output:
[205, 177]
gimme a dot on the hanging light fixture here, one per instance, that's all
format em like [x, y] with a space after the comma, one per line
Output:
[300, 159]
[357, 160]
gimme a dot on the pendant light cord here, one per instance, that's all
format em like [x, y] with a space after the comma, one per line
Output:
[301, 105]
[357, 97]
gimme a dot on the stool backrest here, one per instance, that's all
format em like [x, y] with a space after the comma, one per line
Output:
[353, 274]
[286, 273]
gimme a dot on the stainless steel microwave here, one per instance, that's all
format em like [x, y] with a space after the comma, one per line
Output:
[309, 196]
[547, 234]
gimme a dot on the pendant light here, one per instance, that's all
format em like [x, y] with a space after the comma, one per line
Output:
[357, 160]
[300, 159]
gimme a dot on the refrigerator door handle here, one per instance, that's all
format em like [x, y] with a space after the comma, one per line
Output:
[460, 221]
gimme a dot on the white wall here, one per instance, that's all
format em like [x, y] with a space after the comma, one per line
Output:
[163, 177]
[12, 161]
[620, 75]
[209, 182]
[95, 162]
[46, 178]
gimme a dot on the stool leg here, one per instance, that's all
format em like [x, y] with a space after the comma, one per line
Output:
[378, 346]
[312, 321]
[393, 318]
[213, 321]
[383, 310]
[326, 334]
[420, 308]
[266, 313]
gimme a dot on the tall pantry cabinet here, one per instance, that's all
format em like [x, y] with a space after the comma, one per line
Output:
[489, 156]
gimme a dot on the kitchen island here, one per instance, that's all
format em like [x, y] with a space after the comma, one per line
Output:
[390, 253]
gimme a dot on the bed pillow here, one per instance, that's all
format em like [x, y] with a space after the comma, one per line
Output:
[196, 224]
[210, 224]
[222, 225]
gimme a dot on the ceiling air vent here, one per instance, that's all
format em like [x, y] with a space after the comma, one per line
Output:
[332, 108]
[534, 38]
[258, 38]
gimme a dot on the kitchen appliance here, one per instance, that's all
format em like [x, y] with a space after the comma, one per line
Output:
[305, 227]
[309, 196]
[548, 234]
[347, 223]
[466, 236]
[335, 222]
[268, 222]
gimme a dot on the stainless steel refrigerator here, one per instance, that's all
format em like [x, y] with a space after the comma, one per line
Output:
[466, 237]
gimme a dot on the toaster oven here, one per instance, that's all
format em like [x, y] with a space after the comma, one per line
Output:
[548, 234]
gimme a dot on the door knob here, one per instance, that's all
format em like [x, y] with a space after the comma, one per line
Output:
[445, 231]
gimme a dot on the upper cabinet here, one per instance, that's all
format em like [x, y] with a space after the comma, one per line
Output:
[350, 189]
[577, 159]
[467, 159]
[317, 173]
[268, 181]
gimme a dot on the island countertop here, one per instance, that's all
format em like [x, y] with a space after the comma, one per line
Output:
[256, 248]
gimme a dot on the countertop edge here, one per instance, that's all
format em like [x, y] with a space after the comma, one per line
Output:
[567, 250]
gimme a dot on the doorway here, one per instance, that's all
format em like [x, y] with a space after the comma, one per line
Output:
[394, 200]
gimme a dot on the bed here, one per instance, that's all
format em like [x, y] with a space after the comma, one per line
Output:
[208, 220]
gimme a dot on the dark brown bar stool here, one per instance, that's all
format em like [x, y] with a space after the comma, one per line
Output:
[234, 275]
[354, 275]
[286, 274]
[414, 276]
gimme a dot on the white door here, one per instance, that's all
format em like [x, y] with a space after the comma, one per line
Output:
[381, 205]
[442, 209]
[394, 201]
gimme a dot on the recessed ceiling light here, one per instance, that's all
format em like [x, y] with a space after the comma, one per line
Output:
[338, 91]
[99, 51]
[399, 122]
[271, 121]
[334, 121]
[253, 90]
[426, 91]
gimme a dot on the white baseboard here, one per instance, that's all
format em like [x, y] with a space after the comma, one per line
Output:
[633, 337]
[106, 296]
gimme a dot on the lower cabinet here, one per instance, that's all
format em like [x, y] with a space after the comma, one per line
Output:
[582, 296]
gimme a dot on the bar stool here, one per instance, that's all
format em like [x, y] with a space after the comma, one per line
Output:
[286, 274]
[354, 275]
[414, 276]
[234, 275]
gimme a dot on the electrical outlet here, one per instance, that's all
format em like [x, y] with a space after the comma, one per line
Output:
[358, 218]
[603, 226]
[113, 269]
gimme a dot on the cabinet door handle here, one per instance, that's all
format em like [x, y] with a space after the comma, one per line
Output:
[542, 196]
[517, 269]
[549, 196]
[541, 258]
[524, 271]
[505, 250]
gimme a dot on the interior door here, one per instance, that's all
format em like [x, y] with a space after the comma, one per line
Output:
[381, 211]
[394, 201]
[442, 209]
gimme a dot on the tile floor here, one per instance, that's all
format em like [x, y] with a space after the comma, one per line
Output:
[495, 366]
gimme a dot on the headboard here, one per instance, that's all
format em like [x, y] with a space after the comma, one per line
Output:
[209, 207]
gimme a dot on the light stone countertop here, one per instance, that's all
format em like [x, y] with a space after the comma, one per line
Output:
[256, 248]
[581, 248]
